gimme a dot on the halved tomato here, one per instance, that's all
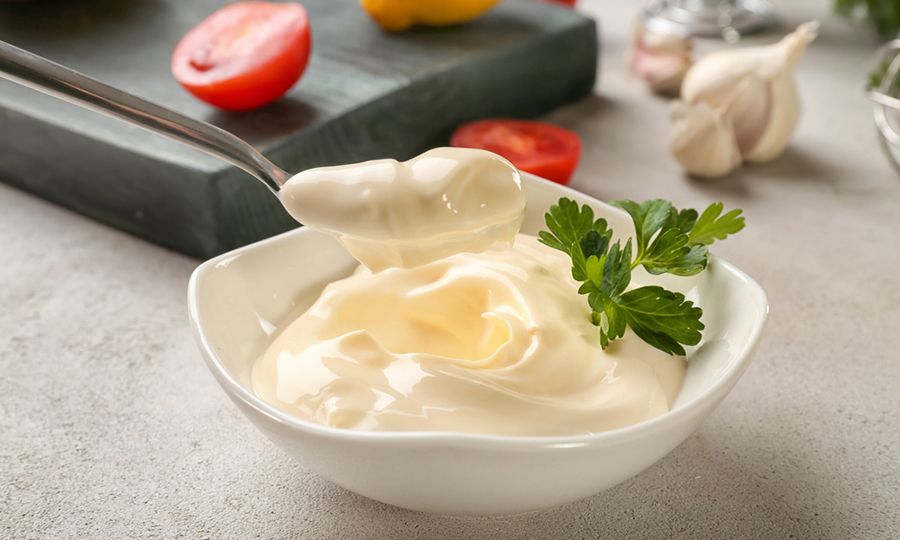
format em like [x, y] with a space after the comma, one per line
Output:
[245, 55]
[539, 148]
[567, 3]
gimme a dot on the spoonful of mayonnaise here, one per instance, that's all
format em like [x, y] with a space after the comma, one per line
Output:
[392, 214]
[386, 213]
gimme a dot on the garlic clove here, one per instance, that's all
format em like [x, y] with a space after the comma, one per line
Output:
[753, 89]
[714, 77]
[703, 140]
[749, 107]
[660, 59]
[780, 123]
[785, 112]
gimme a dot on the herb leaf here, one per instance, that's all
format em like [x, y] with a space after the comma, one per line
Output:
[678, 247]
[617, 270]
[670, 252]
[666, 241]
[710, 227]
[682, 221]
[567, 224]
[608, 317]
[575, 232]
[648, 218]
[662, 318]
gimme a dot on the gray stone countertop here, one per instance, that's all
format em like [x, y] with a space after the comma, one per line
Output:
[112, 427]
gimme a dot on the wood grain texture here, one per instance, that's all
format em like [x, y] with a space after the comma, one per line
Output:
[365, 95]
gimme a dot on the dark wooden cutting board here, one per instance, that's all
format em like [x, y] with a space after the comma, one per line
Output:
[365, 95]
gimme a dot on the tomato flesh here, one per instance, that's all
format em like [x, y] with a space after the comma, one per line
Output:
[245, 55]
[538, 148]
[567, 3]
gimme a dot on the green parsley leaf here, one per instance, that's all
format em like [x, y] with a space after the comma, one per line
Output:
[662, 318]
[594, 275]
[710, 227]
[648, 218]
[594, 244]
[666, 240]
[682, 221]
[671, 252]
[567, 224]
[575, 232]
[678, 247]
[608, 317]
[617, 270]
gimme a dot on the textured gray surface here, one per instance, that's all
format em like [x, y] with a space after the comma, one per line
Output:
[111, 427]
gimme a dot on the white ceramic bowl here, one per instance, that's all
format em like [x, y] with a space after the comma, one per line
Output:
[238, 300]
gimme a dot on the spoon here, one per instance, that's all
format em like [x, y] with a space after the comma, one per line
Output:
[36, 72]
[386, 213]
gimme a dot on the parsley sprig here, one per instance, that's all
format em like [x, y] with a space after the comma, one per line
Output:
[666, 240]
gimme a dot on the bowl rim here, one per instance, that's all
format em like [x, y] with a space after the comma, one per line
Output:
[715, 391]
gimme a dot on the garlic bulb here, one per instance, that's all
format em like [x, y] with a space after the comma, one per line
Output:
[745, 98]
[661, 59]
[703, 140]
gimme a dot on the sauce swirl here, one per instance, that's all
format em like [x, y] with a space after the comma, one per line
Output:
[497, 342]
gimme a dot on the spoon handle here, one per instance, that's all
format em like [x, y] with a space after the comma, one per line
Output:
[51, 78]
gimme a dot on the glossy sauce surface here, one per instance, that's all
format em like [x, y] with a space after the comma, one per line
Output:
[497, 342]
[404, 214]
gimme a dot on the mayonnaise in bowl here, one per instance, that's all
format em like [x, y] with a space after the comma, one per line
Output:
[497, 342]
[239, 302]
[467, 328]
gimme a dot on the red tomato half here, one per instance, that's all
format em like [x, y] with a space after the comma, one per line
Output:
[567, 3]
[542, 149]
[244, 55]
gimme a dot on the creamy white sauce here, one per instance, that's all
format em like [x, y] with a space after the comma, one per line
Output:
[455, 323]
[392, 214]
[497, 342]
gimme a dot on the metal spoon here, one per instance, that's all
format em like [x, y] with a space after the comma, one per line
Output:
[51, 78]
